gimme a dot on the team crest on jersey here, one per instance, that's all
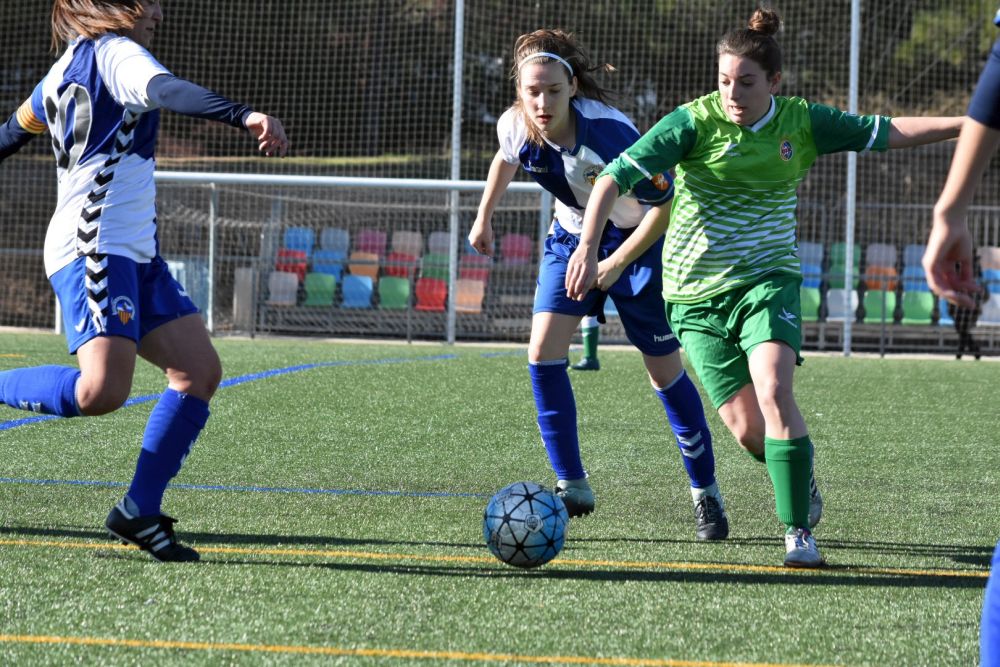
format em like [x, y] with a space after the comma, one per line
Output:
[592, 173]
[123, 307]
[786, 150]
[661, 182]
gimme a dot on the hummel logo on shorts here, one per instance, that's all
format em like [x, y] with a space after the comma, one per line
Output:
[788, 317]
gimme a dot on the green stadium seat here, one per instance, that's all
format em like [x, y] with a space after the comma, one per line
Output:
[838, 254]
[394, 293]
[320, 288]
[434, 265]
[918, 307]
[874, 302]
[835, 276]
[810, 300]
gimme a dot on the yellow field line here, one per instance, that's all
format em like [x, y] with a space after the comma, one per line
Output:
[381, 653]
[623, 565]
[12, 356]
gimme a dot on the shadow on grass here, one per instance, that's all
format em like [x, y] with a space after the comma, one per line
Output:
[977, 555]
[236, 539]
[836, 575]
[830, 576]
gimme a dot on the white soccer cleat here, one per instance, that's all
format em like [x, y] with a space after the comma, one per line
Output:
[800, 549]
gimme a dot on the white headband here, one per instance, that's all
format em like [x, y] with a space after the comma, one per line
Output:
[546, 54]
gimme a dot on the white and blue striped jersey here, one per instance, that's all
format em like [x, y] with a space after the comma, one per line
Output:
[602, 133]
[103, 127]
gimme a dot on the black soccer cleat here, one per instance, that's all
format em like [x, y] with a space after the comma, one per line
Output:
[587, 364]
[712, 522]
[154, 534]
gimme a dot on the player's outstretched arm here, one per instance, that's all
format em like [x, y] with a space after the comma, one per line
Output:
[948, 258]
[190, 99]
[653, 225]
[908, 131]
[581, 269]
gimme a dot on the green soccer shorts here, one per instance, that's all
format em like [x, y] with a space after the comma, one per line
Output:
[719, 333]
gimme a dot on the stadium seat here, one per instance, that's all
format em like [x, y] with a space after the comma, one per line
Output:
[292, 261]
[838, 254]
[881, 277]
[914, 279]
[944, 318]
[370, 241]
[810, 301]
[320, 288]
[835, 304]
[434, 265]
[812, 274]
[394, 293]
[399, 265]
[431, 294]
[878, 303]
[989, 257]
[357, 291]
[299, 238]
[918, 307]
[880, 254]
[439, 243]
[913, 254]
[835, 276]
[475, 267]
[469, 295]
[335, 238]
[811, 253]
[516, 249]
[407, 242]
[282, 288]
[330, 262]
[991, 311]
[363, 264]
[991, 280]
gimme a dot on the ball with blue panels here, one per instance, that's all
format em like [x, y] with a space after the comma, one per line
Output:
[525, 524]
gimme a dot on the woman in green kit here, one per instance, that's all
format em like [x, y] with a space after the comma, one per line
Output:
[731, 273]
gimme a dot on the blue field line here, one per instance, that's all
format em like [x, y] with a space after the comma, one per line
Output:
[232, 382]
[249, 489]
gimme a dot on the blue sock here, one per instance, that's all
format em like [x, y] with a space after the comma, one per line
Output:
[557, 417]
[50, 390]
[172, 428]
[687, 420]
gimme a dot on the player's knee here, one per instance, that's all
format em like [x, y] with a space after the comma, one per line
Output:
[774, 395]
[202, 382]
[749, 437]
[100, 399]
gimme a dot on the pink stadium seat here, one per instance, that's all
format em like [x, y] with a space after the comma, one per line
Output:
[370, 240]
[516, 249]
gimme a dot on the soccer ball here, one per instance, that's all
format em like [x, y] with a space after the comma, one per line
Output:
[525, 524]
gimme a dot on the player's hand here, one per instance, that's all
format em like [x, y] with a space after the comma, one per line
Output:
[948, 264]
[607, 274]
[481, 237]
[270, 134]
[581, 274]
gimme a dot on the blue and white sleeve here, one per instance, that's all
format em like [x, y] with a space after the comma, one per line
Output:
[23, 125]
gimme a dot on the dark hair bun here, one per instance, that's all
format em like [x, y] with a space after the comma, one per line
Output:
[765, 21]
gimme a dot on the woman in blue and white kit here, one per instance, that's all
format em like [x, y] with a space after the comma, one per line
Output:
[100, 102]
[948, 262]
[562, 133]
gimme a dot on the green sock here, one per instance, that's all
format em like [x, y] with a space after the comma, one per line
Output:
[789, 463]
[590, 336]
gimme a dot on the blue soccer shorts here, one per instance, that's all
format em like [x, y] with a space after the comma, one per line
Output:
[110, 295]
[638, 293]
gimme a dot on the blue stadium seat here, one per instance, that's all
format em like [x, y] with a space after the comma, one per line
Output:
[357, 291]
[299, 238]
[812, 274]
[810, 253]
[913, 254]
[330, 262]
[914, 279]
[335, 238]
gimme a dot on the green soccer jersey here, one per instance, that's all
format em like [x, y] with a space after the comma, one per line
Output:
[733, 214]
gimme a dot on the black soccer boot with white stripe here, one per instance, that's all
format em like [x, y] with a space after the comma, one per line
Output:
[154, 534]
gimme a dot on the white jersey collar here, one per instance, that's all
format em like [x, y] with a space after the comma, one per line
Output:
[765, 118]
